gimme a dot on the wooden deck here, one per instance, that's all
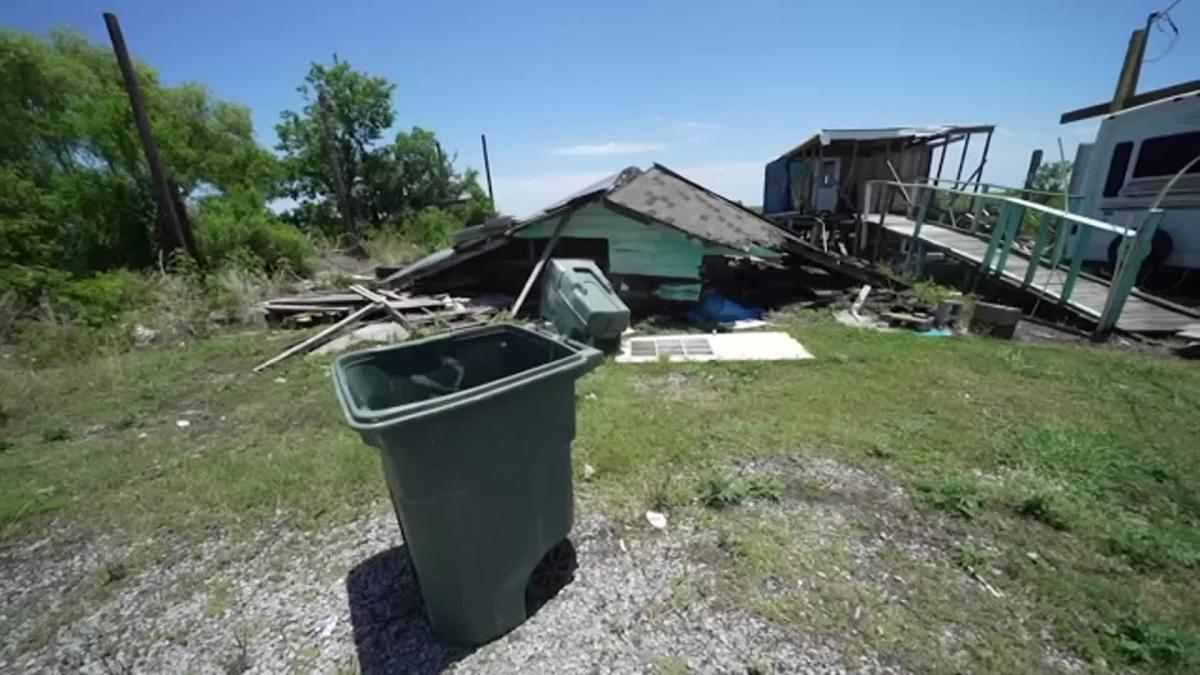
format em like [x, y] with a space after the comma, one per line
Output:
[1087, 298]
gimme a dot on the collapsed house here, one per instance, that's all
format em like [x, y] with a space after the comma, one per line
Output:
[826, 175]
[660, 238]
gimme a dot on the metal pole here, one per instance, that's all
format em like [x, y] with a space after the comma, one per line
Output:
[170, 235]
[487, 170]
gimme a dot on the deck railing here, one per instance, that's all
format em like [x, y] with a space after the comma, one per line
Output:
[999, 218]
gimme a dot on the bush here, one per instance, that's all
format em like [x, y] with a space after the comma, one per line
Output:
[100, 300]
[433, 228]
[388, 245]
[240, 232]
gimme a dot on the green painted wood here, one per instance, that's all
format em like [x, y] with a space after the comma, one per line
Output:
[638, 248]
[924, 200]
[996, 237]
[1081, 245]
[1127, 271]
[1039, 243]
[681, 292]
[1062, 233]
[1008, 235]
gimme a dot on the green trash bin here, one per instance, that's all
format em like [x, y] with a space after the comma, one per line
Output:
[578, 300]
[474, 428]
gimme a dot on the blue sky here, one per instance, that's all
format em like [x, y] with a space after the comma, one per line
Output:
[570, 91]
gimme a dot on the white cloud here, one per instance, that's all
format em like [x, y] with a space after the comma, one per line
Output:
[697, 126]
[611, 148]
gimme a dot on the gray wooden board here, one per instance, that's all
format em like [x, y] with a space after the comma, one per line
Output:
[1086, 299]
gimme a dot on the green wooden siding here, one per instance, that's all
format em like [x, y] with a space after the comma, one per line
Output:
[634, 247]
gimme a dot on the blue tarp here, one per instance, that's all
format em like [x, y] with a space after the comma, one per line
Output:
[716, 308]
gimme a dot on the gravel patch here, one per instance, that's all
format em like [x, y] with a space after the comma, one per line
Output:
[345, 599]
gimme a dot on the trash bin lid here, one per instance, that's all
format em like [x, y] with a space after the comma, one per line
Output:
[402, 382]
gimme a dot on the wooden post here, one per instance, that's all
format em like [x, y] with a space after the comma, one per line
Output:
[977, 210]
[997, 238]
[983, 157]
[941, 161]
[1125, 276]
[171, 231]
[924, 198]
[537, 268]
[487, 170]
[1008, 236]
[1131, 67]
[962, 161]
[1081, 244]
[335, 168]
[1039, 243]
[1035, 161]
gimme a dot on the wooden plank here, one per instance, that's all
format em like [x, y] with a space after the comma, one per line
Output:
[297, 309]
[537, 269]
[318, 339]
[378, 299]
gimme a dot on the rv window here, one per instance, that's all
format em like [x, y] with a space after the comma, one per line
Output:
[1166, 155]
[1116, 169]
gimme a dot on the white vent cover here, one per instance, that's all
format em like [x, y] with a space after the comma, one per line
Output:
[772, 346]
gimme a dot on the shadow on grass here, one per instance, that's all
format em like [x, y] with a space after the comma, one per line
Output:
[391, 632]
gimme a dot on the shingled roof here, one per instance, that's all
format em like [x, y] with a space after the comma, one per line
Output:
[665, 196]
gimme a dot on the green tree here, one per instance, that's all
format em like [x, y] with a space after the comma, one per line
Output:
[388, 184]
[1051, 176]
[74, 187]
[341, 137]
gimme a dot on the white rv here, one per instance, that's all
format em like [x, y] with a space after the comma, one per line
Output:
[1135, 153]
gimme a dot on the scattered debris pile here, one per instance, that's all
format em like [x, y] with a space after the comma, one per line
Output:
[362, 305]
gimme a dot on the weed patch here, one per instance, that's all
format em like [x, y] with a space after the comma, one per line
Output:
[958, 496]
[722, 492]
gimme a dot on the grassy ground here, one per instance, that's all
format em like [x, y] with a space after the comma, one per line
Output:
[961, 504]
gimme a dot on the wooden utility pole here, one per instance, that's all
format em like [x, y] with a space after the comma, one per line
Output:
[335, 169]
[174, 229]
[487, 170]
[1131, 68]
[1135, 54]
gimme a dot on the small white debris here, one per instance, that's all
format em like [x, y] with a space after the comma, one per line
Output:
[324, 627]
[588, 471]
[656, 519]
[622, 544]
[143, 336]
[591, 396]
[182, 424]
[143, 435]
[281, 380]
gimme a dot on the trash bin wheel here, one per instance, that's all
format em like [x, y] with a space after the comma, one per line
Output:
[553, 572]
